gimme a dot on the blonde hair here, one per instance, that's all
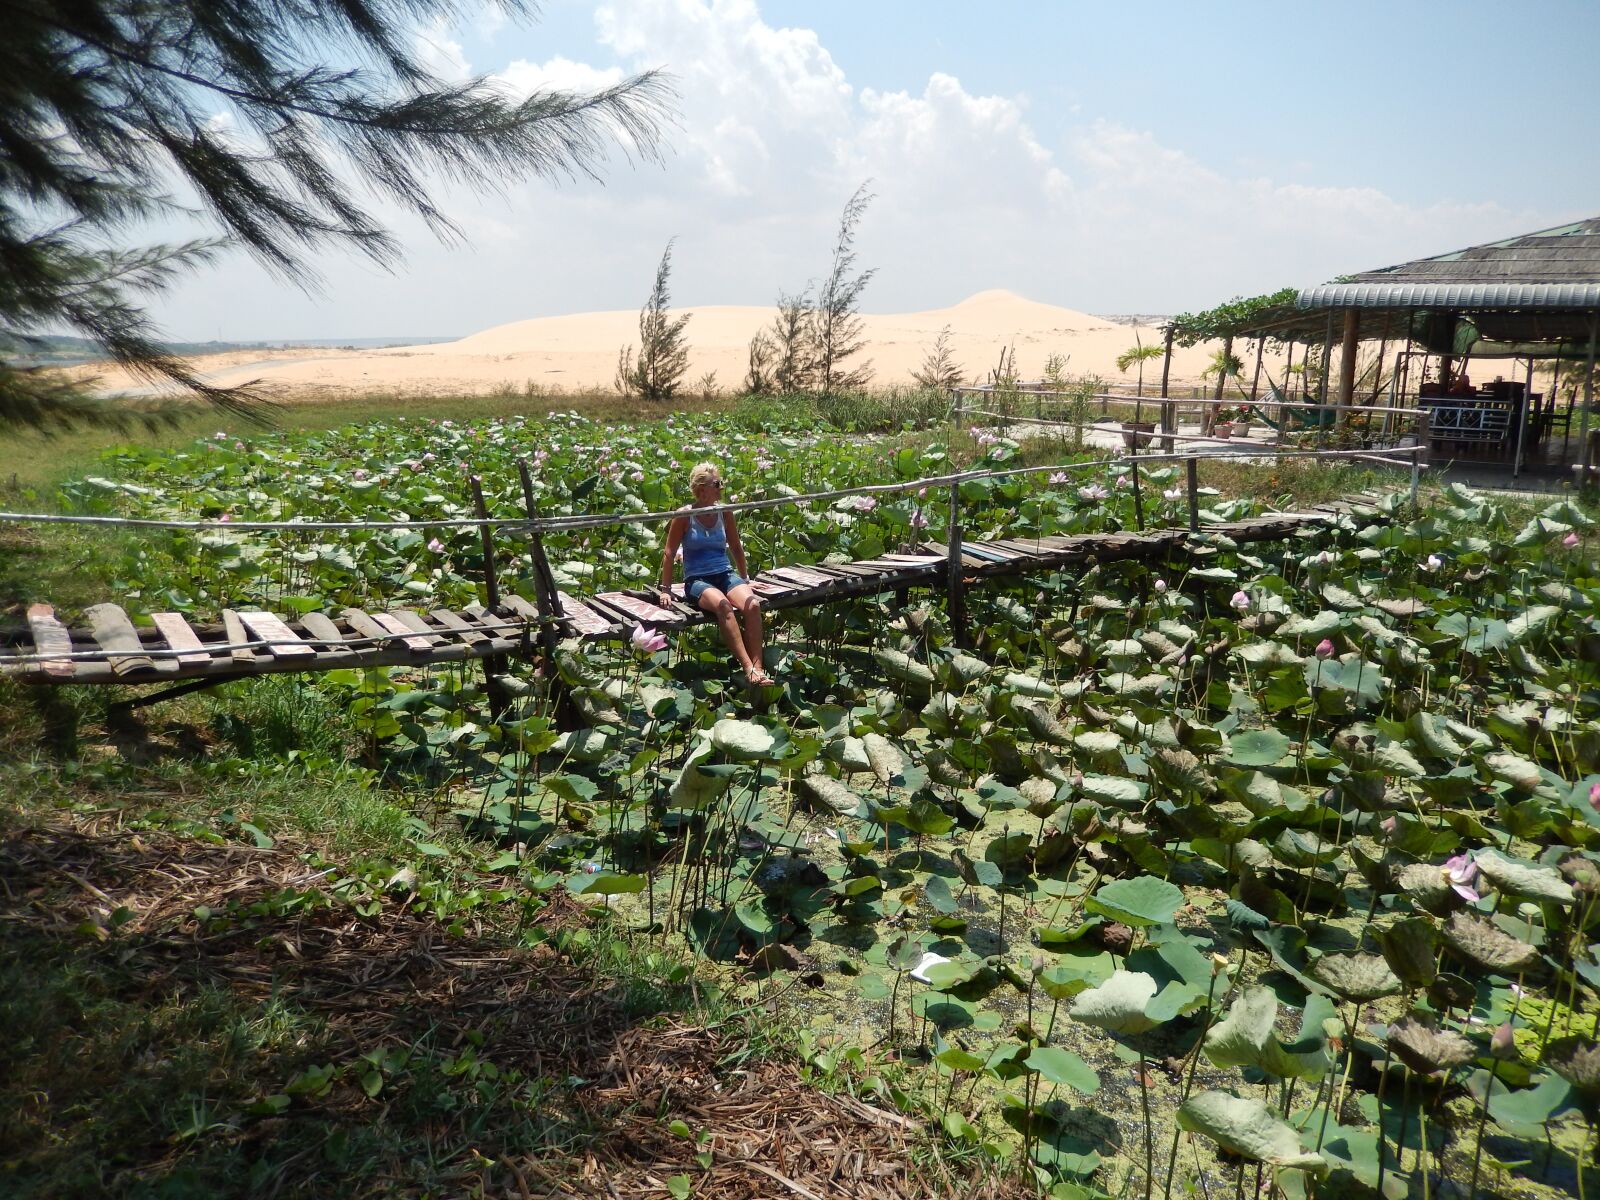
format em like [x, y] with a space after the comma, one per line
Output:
[700, 471]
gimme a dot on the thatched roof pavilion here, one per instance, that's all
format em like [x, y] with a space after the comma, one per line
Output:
[1531, 298]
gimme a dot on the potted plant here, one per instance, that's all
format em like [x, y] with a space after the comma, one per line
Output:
[1137, 433]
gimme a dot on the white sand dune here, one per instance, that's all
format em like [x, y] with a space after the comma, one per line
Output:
[579, 352]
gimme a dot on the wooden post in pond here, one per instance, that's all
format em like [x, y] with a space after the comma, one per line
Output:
[1169, 424]
[494, 666]
[549, 605]
[1419, 455]
[1138, 496]
[1191, 470]
[953, 584]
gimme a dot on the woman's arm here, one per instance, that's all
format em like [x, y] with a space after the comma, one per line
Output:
[669, 552]
[735, 546]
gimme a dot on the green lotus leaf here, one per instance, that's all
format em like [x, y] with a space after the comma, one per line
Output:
[830, 794]
[1098, 743]
[1113, 789]
[1512, 769]
[1041, 723]
[1434, 737]
[1485, 943]
[1180, 770]
[1424, 1047]
[901, 667]
[1247, 1037]
[742, 739]
[883, 757]
[1359, 977]
[1411, 948]
[1028, 685]
[1577, 1060]
[1257, 747]
[1522, 878]
[1318, 626]
[1144, 900]
[1118, 1005]
[1268, 654]
[1063, 1067]
[1250, 1129]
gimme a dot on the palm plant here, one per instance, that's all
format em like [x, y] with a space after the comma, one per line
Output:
[1137, 355]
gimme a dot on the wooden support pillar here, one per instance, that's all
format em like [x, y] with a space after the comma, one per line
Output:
[1322, 392]
[1588, 400]
[549, 605]
[1419, 456]
[494, 666]
[1347, 362]
[1191, 471]
[953, 568]
[1169, 424]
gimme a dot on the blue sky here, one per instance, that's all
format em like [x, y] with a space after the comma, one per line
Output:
[1107, 158]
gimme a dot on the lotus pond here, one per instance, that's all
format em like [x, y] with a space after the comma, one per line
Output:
[1267, 867]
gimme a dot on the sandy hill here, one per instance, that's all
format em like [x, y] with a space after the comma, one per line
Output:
[579, 351]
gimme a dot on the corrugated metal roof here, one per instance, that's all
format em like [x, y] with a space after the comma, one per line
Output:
[1463, 294]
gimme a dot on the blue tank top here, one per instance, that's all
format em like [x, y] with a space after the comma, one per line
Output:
[705, 550]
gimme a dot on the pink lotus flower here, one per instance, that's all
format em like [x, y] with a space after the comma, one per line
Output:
[436, 546]
[863, 503]
[1594, 797]
[1122, 481]
[1433, 563]
[1325, 649]
[359, 473]
[1092, 492]
[1240, 601]
[429, 456]
[1324, 558]
[226, 517]
[1460, 872]
[1172, 494]
[1570, 540]
[647, 640]
[918, 519]
[1161, 587]
[1057, 477]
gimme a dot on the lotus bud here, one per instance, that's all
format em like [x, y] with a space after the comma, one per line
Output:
[1594, 797]
[1570, 541]
[1240, 601]
[1503, 1043]
[1325, 648]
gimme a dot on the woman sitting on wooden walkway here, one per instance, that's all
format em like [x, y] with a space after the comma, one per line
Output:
[711, 552]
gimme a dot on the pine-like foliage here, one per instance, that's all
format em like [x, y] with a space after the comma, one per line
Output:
[267, 121]
[758, 373]
[663, 352]
[794, 356]
[940, 369]
[837, 331]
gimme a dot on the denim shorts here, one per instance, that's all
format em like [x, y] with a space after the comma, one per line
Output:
[723, 581]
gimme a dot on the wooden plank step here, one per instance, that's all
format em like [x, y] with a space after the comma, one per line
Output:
[285, 642]
[50, 636]
[322, 629]
[800, 577]
[234, 634]
[414, 642]
[771, 587]
[417, 623]
[641, 610]
[181, 637]
[583, 619]
[116, 635]
[366, 625]
[990, 550]
[458, 625]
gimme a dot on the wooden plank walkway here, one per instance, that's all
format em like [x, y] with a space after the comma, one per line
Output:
[112, 649]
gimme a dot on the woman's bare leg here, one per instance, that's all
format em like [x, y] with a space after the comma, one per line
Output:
[744, 599]
[719, 606]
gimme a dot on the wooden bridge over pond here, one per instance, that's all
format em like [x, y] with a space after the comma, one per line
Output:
[109, 648]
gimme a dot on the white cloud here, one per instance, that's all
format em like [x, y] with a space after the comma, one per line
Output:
[974, 191]
[556, 74]
[439, 52]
